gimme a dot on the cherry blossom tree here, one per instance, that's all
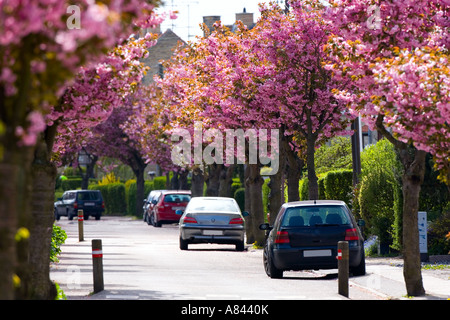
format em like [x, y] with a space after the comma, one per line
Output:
[42, 45]
[298, 86]
[396, 55]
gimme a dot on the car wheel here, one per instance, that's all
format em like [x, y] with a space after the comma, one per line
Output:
[69, 215]
[359, 270]
[57, 216]
[97, 217]
[269, 267]
[183, 244]
[240, 246]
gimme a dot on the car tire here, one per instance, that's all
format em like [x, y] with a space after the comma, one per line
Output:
[97, 217]
[240, 246]
[269, 267]
[359, 270]
[69, 215]
[183, 244]
[57, 216]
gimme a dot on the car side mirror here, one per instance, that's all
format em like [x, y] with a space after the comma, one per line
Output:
[265, 226]
[59, 199]
[245, 214]
[179, 212]
[361, 223]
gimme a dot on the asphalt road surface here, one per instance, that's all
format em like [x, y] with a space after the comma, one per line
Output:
[141, 262]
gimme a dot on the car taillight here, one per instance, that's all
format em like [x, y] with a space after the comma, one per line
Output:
[189, 220]
[237, 221]
[351, 234]
[282, 237]
[103, 204]
[75, 205]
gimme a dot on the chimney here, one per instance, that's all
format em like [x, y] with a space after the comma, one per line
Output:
[246, 18]
[209, 21]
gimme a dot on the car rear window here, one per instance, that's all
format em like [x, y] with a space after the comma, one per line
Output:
[305, 216]
[206, 205]
[88, 195]
[177, 198]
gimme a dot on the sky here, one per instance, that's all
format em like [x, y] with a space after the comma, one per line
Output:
[191, 13]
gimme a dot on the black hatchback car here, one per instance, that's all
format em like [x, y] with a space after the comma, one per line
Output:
[305, 237]
[90, 201]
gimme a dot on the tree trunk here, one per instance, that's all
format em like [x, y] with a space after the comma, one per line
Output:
[44, 175]
[138, 166]
[276, 194]
[255, 182]
[294, 167]
[212, 182]
[413, 162]
[197, 182]
[247, 206]
[313, 186]
[183, 180]
[89, 171]
[175, 181]
[225, 180]
[14, 213]
[414, 165]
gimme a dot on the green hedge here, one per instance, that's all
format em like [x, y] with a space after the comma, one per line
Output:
[131, 195]
[338, 185]
[334, 185]
[71, 184]
[239, 196]
[114, 197]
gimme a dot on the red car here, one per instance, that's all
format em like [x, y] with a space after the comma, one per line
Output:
[168, 202]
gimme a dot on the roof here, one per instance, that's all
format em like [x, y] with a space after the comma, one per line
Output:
[313, 202]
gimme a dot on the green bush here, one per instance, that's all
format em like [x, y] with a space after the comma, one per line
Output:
[379, 194]
[71, 184]
[159, 183]
[131, 194]
[265, 194]
[338, 185]
[59, 236]
[239, 196]
[439, 235]
[235, 186]
[303, 189]
[114, 197]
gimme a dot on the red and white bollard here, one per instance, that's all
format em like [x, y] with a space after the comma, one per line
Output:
[343, 268]
[97, 264]
[80, 225]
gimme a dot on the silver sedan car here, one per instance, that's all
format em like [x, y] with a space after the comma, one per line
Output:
[212, 220]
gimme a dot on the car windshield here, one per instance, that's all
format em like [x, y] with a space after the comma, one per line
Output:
[315, 215]
[88, 196]
[213, 205]
[177, 198]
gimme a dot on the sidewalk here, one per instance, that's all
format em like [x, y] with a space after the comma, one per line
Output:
[385, 278]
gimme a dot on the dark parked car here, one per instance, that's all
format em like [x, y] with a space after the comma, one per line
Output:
[90, 201]
[167, 203]
[149, 203]
[212, 220]
[305, 236]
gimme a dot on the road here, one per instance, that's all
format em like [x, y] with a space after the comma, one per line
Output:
[142, 262]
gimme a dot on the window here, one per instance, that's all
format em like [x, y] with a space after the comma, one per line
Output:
[310, 216]
[213, 206]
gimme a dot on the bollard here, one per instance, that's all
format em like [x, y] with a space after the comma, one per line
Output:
[343, 268]
[97, 264]
[80, 225]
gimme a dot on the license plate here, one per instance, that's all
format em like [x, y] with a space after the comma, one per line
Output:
[178, 208]
[89, 204]
[317, 253]
[212, 232]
